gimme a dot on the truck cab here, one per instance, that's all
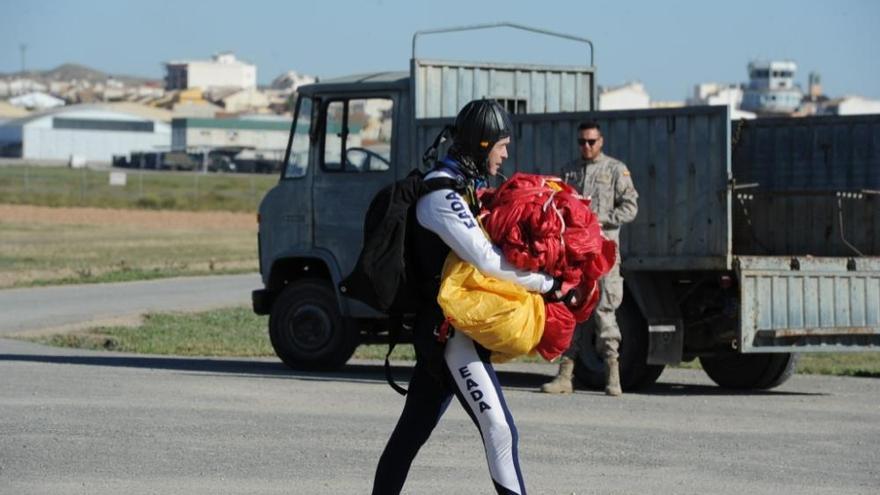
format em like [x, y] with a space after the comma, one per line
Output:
[344, 146]
[350, 137]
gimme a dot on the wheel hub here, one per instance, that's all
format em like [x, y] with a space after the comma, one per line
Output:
[310, 328]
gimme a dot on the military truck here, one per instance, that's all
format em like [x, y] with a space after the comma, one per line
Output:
[755, 240]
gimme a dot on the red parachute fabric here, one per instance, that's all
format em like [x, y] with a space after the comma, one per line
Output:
[543, 224]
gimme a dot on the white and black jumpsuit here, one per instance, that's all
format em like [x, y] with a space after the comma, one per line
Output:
[462, 367]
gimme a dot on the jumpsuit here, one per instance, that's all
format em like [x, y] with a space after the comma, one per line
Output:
[462, 368]
[607, 182]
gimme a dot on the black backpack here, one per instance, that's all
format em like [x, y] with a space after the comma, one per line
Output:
[383, 276]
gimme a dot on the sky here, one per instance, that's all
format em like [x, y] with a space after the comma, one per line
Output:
[668, 45]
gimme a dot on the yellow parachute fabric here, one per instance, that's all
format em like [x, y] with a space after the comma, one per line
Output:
[501, 316]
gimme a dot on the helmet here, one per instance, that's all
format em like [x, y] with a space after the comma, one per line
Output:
[478, 126]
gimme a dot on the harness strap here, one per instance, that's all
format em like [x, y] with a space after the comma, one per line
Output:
[430, 155]
[396, 322]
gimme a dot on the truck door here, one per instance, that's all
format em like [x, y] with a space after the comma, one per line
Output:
[286, 210]
[354, 161]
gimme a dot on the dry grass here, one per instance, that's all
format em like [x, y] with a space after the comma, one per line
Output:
[152, 190]
[42, 245]
[165, 219]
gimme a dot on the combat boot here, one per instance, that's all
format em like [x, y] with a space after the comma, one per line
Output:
[612, 381]
[562, 383]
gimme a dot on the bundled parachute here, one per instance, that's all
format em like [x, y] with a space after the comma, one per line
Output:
[541, 224]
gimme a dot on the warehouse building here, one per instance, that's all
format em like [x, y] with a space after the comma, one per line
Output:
[253, 143]
[91, 133]
[261, 133]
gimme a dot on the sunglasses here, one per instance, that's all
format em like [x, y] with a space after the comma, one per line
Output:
[591, 142]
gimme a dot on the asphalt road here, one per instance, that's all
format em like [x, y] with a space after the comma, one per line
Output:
[71, 306]
[77, 422]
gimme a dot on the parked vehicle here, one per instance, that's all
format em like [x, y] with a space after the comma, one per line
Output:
[755, 240]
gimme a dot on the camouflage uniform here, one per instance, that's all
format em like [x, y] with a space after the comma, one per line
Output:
[614, 199]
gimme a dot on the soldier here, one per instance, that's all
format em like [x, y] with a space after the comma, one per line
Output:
[614, 199]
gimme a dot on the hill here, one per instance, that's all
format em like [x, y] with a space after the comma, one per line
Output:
[69, 72]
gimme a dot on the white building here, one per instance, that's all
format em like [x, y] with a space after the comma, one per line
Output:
[721, 94]
[17, 86]
[291, 80]
[716, 94]
[850, 105]
[624, 97]
[93, 133]
[223, 71]
[36, 101]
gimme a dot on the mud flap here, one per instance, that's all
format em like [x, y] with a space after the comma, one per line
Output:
[665, 341]
[655, 298]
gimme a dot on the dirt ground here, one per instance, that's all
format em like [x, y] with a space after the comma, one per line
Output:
[209, 220]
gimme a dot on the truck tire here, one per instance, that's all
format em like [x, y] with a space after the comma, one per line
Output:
[306, 329]
[635, 373]
[750, 371]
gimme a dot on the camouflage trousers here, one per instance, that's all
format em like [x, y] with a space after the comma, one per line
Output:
[603, 322]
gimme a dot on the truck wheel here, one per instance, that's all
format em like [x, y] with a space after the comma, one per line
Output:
[750, 371]
[306, 329]
[635, 373]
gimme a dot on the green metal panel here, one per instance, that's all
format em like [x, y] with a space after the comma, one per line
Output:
[232, 124]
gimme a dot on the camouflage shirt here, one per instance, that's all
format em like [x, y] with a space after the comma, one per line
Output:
[607, 182]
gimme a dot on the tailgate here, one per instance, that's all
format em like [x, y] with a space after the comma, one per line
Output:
[805, 304]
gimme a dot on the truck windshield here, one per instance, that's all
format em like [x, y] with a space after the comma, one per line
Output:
[298, 162]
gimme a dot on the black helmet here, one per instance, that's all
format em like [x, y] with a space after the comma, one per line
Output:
[478, 126]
